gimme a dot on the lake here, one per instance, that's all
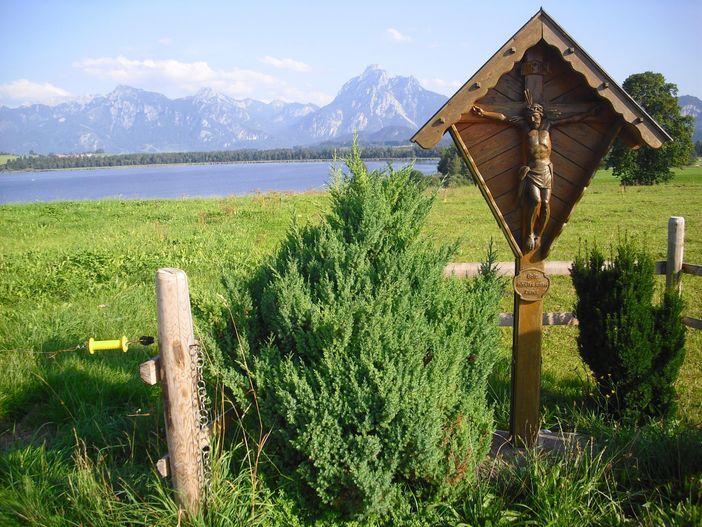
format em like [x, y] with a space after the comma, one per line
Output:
[174, 181]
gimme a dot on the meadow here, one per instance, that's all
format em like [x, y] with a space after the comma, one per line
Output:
[79, 432]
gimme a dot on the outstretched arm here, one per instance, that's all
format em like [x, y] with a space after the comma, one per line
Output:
[477, 110]
[577, 117]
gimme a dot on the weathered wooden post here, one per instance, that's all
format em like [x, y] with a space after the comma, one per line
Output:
[179, 370]
[532, 125]
[676, 249]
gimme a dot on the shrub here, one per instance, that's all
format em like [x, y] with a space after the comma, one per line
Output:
[370, 367]
[634, 349]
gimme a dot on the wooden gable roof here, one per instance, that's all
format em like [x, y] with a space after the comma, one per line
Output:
[637, 126]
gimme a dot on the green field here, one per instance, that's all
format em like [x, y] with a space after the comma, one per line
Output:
[78, 432]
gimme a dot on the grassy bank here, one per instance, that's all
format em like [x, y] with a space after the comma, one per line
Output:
[79, 432]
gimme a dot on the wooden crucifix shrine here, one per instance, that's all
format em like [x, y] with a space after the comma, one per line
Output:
[533, 125]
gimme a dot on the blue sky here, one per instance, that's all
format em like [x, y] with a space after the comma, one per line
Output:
[305, 50]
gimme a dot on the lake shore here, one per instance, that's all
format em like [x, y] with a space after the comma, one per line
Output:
[206, 163]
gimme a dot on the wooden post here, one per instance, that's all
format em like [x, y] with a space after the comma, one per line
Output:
[676, 245]
[528, 313]
[526, 362]
[175, 338]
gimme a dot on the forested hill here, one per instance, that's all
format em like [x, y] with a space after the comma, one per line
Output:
[40, 162]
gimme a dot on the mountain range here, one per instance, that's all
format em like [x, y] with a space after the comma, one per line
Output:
[380, 108]
[690, 105]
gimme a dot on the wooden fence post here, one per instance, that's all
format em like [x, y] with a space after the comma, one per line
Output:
[176, 370]
[676, 245]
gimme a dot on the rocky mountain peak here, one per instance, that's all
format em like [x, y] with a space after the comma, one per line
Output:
[373, 71]
[210, 96]
[123, 91]
[371, 102]
[374, 104]
[205, 93]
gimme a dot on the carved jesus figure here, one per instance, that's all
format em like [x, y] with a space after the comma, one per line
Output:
[536, 177]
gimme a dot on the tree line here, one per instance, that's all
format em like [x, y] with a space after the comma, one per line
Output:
[98, 160]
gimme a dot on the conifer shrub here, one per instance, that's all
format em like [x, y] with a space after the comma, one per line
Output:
[370, 368]
[635, 349]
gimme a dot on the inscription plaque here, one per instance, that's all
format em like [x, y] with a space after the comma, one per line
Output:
[531, 284]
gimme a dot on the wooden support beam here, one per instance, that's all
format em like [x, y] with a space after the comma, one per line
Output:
[150, 370]
[560, 319]
[568, 319]
[548, 319]
[469, 269]
[163, 466]
[555, 268]
[676, 241]
[694, 323]
[516, 108]
[505, 320]
[661, 266]
[692, 269]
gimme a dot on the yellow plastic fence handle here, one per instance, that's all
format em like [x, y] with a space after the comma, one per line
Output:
[100, 345]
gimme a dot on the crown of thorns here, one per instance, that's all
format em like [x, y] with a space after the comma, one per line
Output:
[532, 107]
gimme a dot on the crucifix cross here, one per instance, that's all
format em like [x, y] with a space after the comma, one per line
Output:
[554, 111]
[533, 189]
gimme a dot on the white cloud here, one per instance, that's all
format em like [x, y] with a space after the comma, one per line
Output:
[396, 36]
[23, 91]
[176, 79]
[440, 85]
[176, 76]
[285, 64]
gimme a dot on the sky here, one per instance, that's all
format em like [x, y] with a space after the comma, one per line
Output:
[304, 51]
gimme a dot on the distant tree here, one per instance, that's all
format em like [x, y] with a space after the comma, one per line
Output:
[418, 176]
[649, 166]
[42, 162]
[698, 148]
[453, 168]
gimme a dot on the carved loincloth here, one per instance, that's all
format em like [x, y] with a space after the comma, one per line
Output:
[541, 177]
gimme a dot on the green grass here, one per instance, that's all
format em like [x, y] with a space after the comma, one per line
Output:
[78, 433]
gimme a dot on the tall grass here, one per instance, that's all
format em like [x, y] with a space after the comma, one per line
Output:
[42, 486]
